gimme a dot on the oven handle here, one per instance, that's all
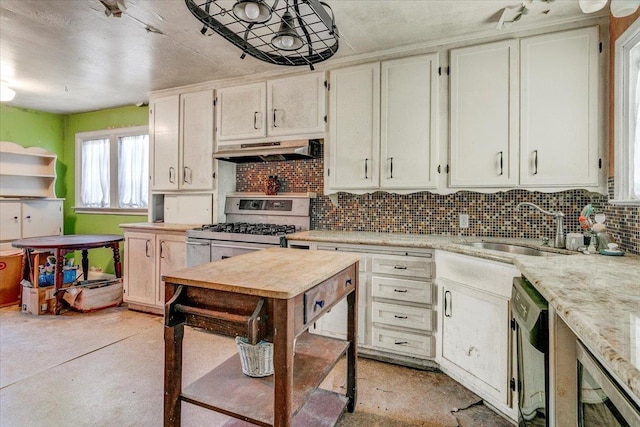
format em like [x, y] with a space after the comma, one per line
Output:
[236, 246]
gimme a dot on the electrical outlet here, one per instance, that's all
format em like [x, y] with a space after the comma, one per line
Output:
[464, 220]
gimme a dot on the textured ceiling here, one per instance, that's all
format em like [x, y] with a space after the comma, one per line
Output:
[67, 56]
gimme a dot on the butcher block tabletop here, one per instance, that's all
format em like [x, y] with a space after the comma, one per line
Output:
[280, 273]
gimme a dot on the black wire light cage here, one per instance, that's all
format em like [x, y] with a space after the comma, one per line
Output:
[287, 32]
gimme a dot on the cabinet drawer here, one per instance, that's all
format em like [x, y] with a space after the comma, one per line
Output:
[403, 342]
[364, 258]
[400, 315]
[322, 297]
[407, 266]
[401, 289]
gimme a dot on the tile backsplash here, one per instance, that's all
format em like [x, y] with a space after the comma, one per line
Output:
[490, 214]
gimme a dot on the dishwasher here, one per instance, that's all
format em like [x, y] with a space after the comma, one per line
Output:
[531, 321]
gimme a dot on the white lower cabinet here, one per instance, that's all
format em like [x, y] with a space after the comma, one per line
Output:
[20, 219]
[475, 338]
[147, 256]
[395, 316]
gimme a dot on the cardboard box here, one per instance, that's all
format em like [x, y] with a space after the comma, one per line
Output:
[94, 295]
[10, 276]
[38, 300]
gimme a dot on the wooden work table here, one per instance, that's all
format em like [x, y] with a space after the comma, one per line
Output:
[272, 295]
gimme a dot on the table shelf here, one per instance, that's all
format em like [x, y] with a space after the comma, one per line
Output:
[251, 399]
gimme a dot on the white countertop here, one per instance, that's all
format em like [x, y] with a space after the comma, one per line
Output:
[597, 296]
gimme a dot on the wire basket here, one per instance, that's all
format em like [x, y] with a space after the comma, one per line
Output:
[256, 360]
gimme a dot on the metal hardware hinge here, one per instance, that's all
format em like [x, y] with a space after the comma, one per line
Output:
[513, 323]
[446, 169]
[328, 172]
[600, 47]
[215, 101]
[325, 118]
[446, 70]
[213, 175]
[600, 163]
[327, 85]
[512, 384]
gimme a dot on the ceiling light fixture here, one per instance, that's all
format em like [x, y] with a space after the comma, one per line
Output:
[289, 32]
[6, 93]
[252, 11]
[287, 38]
[619, 8]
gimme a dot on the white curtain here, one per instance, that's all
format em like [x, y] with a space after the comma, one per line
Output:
[133, 171]
[95, 173]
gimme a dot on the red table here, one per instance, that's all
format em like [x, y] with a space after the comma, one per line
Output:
[61, 245]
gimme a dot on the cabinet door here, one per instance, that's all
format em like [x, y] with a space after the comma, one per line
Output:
[475, 336]
[41, 218]
[559, 109]
[241, 113]
[172, 256]
[10, 221]
[196, 140]
[409, 115]
[139, 268]
[163, 127]
[484, 115]
[296, 105]
[354, 127]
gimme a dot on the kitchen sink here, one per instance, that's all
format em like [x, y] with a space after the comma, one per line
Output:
[512, 249]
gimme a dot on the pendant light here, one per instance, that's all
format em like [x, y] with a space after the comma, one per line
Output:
[287, 38]
[619, 8]
[252, 11]
[6, 93]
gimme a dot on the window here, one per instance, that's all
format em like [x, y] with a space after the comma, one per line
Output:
[627, 117]
[112, 171]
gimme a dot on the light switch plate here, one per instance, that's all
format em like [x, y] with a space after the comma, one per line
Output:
[464, 220]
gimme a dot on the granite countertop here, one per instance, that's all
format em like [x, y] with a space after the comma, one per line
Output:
[597, 296]
[290, 272]
[158, 226]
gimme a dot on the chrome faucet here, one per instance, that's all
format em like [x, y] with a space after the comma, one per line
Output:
[559, 218]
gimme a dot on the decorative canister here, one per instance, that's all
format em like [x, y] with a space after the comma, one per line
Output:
[272, 186]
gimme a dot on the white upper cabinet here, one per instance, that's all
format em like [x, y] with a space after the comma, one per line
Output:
[383, 125]
[196, 140]
[559, 109]
[354, 128]
[296, 105]
[484, 115]
[241, 113]
[181, 132]
[408, 124]
[290, 107]
[164, 119]
[525, 112]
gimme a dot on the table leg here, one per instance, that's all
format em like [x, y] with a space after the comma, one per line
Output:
[59, 280]
[116, 259]
[352, 352]
[26, 264]
[283, 318]
[172, 374]
[85, 263]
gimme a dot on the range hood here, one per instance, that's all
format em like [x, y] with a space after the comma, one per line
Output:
[269, 151]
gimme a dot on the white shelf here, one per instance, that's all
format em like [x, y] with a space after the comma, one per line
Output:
[26, 172]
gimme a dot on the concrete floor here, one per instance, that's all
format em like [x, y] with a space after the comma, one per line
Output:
[105, 369]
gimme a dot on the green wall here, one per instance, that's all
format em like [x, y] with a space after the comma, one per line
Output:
[30, 128]
[56, 133]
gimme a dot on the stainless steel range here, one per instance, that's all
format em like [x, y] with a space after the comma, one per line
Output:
[254, 222]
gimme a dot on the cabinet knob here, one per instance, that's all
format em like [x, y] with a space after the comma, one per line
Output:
[319, 304]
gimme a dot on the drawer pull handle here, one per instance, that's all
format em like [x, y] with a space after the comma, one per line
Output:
[401, 342]
[447, 304]
[319, 303]
[402, 291]
[348, 282]
[400, 317]
[399, 267]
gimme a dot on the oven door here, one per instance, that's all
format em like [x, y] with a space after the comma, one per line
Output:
[198, 251]
[224, 249]
[601, 402]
